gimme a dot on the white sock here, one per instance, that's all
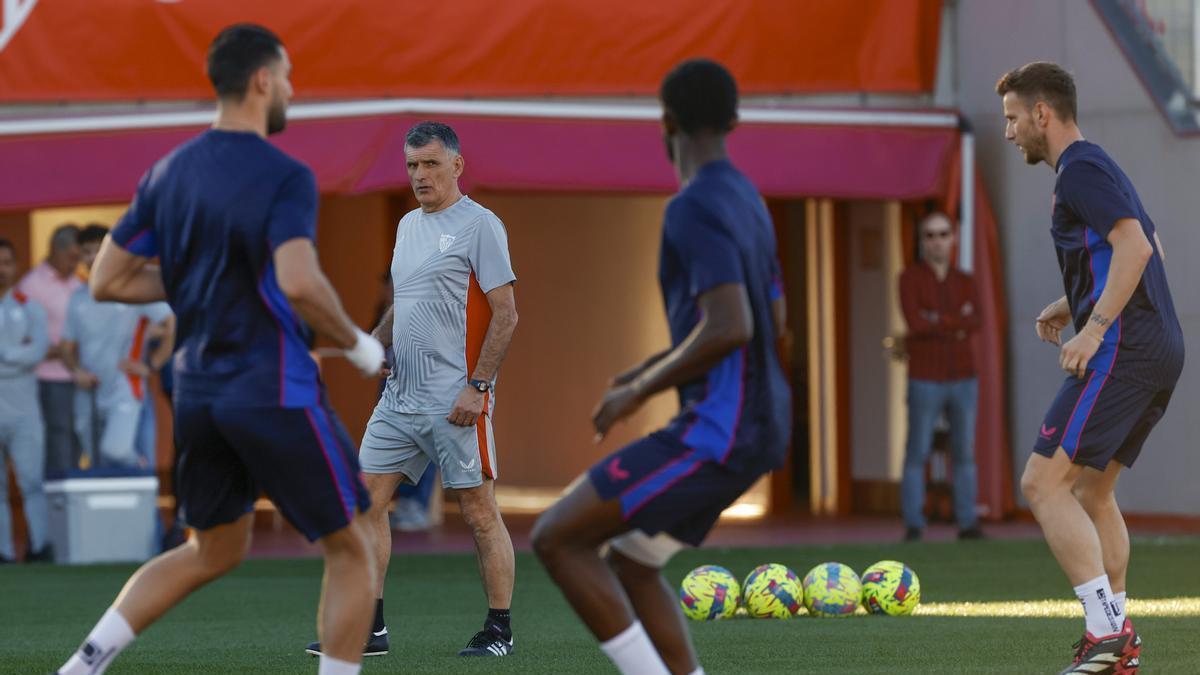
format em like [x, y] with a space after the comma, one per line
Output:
[698, 671]
[1119, 601]
[332, 666]
[1097, 598]
[633, 653]
[111, 634]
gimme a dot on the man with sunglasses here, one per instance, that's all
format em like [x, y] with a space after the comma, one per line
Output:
[941, 311]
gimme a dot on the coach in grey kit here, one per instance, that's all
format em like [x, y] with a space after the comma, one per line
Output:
[23, 344]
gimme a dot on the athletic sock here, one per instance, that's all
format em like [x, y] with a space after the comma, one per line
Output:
[1097, 598]
[332, 666]
[1119, 601]
[379, 624]
[698, 671]
[499, 621]
[111, 634]
[633, 653]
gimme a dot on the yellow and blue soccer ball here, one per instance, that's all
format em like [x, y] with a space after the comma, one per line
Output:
[708, 593]
[831, 589]
[890, 587]
[772, 591]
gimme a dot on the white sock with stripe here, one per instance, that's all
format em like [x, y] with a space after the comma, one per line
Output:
[1119, 600]
[1098, 610]
[111, 634]
[633, 653]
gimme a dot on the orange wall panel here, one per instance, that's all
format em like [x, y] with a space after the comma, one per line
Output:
[78, 50]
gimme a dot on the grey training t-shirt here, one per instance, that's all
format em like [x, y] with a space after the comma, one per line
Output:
[443, 265]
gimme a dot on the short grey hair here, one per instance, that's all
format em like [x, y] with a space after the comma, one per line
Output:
[424, 133]
[65, 236]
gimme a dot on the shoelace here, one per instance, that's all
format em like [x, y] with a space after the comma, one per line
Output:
[1080, 647]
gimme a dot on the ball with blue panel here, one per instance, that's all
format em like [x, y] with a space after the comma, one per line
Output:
[832, 589]
[708, 593]
[890, 587]
[772, 591]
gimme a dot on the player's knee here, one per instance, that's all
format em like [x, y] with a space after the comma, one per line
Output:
[1032, 486]
[1093, 500]
[220, 558]
[479, 511]
[546, 541]
[630, 571]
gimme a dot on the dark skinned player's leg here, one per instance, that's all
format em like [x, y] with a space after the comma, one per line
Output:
[656, 604]
[567, 538]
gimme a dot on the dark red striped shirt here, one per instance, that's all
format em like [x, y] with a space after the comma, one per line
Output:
[941, 316]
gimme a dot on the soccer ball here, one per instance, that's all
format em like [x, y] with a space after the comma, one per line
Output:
[890, 587]
[831, 589]
[708, 593]
[772, 591]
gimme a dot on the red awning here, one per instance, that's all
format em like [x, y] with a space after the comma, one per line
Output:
[353, 154]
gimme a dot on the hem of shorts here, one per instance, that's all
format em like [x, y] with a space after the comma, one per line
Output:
[219, 523]
[463, 486]
[388, 472]
[1049, 453]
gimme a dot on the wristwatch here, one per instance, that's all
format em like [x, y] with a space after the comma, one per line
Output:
[483, 386]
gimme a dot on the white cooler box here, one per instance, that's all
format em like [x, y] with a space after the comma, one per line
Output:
[95, 520]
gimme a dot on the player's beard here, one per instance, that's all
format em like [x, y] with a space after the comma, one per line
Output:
[1035, 151]
[668, 141]
[276, 117]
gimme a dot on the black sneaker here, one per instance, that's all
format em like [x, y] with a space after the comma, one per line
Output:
[970, 533]
[488, 643]
[377, 645]
[46, 555]
[912, 534]
[1118, 654]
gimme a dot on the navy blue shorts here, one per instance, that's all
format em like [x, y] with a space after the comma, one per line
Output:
[1099, 418]
[301, 458]
[665, 486]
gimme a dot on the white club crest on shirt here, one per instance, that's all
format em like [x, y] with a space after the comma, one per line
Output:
[445, 242]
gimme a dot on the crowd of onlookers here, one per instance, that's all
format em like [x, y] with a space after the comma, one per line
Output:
[74, 378]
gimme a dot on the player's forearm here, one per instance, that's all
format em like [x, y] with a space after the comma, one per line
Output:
[69, 356]
[1124, 275]
[166, 346]
[383, 330]
[495, 344]
[136, 287]
[318, 304]
[707, 345]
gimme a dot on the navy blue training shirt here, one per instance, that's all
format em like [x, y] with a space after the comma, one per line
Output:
[717, 231]
[214, 210]
[1144, 346]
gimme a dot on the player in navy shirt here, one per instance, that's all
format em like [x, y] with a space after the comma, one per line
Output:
[720, 282]
[232, 221]
[1122, 364]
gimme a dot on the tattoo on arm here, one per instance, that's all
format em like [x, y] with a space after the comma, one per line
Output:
[1100, 320]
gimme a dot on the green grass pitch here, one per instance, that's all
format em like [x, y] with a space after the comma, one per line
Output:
[973, 618]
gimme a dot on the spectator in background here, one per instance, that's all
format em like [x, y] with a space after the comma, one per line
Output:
[23, 344]
[51, 284]
[104, 346]
[940, 308]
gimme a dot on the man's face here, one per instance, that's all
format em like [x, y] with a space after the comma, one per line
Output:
[1024, 126]
[433, 171]
[89, 251]
[8, 267]
[65, 259]
[937, 240]
[280, 92]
